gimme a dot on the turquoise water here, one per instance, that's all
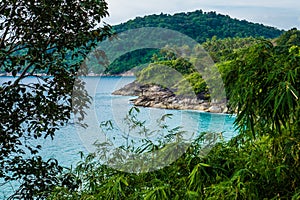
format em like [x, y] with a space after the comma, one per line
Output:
[70, 140]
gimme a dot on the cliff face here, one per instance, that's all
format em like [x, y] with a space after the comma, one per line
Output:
[157, 97]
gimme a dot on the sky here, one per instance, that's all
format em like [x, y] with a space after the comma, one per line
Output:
[283, 14]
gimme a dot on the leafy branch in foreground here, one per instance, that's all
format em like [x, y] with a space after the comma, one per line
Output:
[107, 174]
[262, 83]
[35, 37]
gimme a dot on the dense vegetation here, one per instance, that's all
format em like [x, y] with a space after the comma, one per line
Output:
[198, 25]
[160, 71]
[221, 49]
[262, 162]
[201, 25]
[176, 74]
[127, 61]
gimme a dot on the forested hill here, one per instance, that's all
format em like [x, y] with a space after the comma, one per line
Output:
[201, 25]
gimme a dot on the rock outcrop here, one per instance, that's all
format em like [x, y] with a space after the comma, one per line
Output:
[158, 97]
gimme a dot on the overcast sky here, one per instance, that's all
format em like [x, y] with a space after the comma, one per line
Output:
[284, 14]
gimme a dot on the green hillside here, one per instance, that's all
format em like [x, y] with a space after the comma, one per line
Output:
[200, 26]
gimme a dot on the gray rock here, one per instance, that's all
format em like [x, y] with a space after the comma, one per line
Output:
[159, 97]
[215, 109]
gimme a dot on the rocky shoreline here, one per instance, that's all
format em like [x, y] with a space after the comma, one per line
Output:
[158, 97]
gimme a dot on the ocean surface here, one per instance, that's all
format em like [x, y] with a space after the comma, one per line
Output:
[72, 139]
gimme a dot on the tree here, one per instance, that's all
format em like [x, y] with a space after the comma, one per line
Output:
[267, 99]
[262, 84]
[52, 37]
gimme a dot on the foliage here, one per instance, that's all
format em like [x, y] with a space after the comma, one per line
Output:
[233, 170]
[220, 49]
[40, 36]
[291, 37]
[179, 75]
[160, 74]
[199, 26]
[195, 81]
[267, 98]
[261, 162]
[180, 65]
[130, 60]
